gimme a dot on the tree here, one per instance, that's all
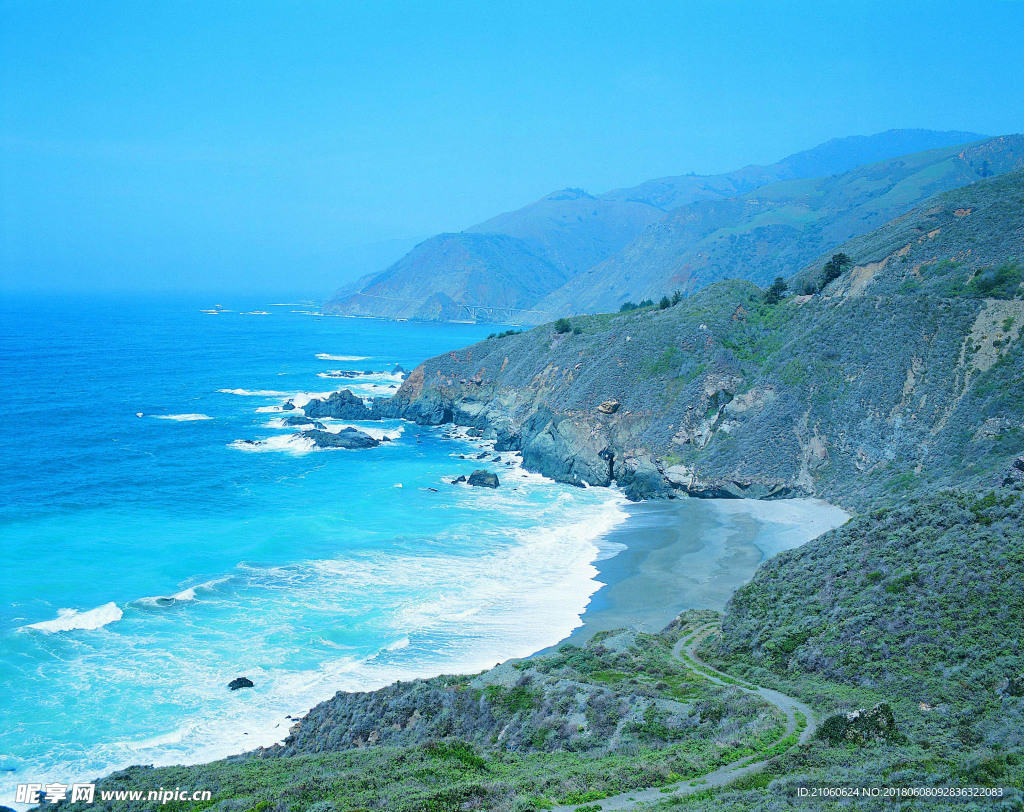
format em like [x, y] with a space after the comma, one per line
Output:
[834, 268]
[665, 303]
[774, 293]
[562, 326]
[646, 303]
[677, 297]
[627, 306]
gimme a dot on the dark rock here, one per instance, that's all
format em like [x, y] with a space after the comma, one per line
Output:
[458, 479]
[342, 405]
[287, 406]
[483, 479]
[475, 432]
[482, 455]
[342, 373]
[302, 420]
[346, 438]
[240, 682]
[609, 407]
[399, 370]
[860, 727]
[1015, 473]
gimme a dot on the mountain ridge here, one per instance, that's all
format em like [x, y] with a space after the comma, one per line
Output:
[880, 375]
[573, 231]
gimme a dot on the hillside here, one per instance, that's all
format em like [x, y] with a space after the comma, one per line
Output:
[570, 231]
[507, 263]
[831, 158]
[898, 373]
[434, 280]
[776, 229]
[913, 610]
[896, 390]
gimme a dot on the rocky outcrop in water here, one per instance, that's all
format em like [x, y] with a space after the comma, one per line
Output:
[342, 405]
[240, 682]
[302, 420]
[346, 438]
[483, 479]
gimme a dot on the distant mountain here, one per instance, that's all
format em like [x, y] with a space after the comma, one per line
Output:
[776, 229]
[830, 158]
[904, 372]
[506, 263]
[450, 277]
[456, 276]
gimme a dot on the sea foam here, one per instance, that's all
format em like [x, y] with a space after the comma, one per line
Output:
[287, 443]
[70, 619]
[255, 393]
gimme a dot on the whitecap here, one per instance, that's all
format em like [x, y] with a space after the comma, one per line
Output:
[183, 418]
[69, 619]
[323, 356]
[376, 432]
[184, 596]
[257, 393]
[288, 443]
[341, 374]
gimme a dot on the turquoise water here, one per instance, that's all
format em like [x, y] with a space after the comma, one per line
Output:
[145, 561]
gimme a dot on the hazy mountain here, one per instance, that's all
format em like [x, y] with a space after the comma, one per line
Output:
[909, 364]
[776, 229]
[570, 231]
[830, 158]
[439, 276]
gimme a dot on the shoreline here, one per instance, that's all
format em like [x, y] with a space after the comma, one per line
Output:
[691, 554]
[668, 556]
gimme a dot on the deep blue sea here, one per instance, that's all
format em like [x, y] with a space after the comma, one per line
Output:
[147, 557]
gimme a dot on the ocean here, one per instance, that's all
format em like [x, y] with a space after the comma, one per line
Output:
[149, 554]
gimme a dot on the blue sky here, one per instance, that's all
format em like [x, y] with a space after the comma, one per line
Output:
[285, 146]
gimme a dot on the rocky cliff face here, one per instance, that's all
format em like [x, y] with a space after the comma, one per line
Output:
[880, 382]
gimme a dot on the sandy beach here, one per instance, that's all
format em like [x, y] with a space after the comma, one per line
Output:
[692, 554]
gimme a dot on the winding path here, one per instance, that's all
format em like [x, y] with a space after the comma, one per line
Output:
[685, 652]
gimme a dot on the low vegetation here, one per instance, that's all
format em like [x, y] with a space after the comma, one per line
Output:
[570, 727]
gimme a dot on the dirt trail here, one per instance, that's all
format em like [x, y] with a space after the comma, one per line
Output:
[685, 652]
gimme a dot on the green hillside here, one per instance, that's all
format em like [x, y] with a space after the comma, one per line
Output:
[776, 229]
[439, 275]
[899, 375]
[537, 248]
[886, 653]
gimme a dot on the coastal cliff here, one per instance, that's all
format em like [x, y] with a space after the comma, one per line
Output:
[894, 387]
[900, 373]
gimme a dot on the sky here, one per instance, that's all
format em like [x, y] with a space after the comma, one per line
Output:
[288, 147]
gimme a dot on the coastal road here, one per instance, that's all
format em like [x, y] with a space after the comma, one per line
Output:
[685, 652]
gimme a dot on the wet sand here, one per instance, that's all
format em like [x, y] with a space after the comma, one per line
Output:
[693, 554]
